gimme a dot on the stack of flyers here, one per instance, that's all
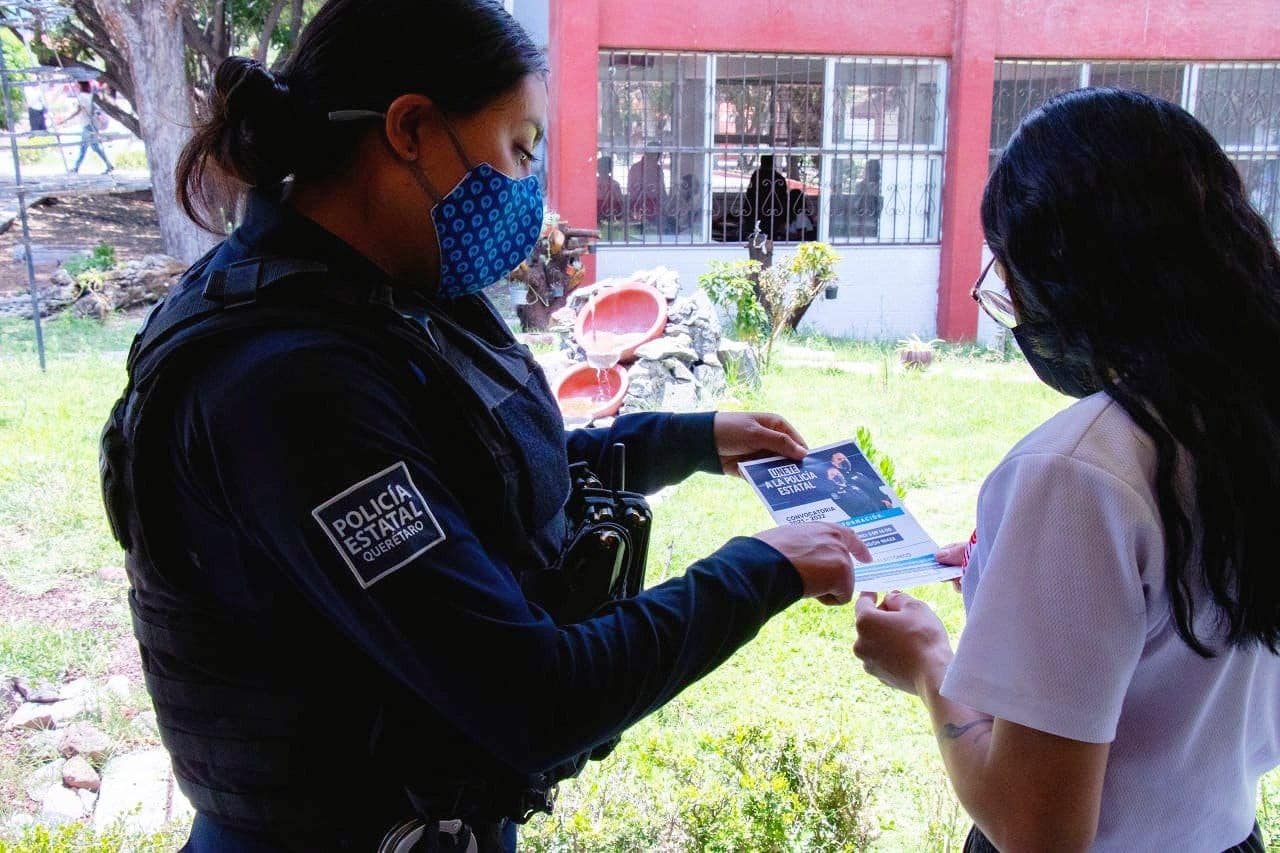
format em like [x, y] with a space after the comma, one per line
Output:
[837, 484]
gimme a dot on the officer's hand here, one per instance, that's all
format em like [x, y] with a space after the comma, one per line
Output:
[823, 555]
[741, 436]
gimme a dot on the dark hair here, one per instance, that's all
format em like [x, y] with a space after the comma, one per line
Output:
[1127, 232]
[259, 128]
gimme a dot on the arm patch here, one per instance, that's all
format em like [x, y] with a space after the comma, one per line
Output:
[380, 524]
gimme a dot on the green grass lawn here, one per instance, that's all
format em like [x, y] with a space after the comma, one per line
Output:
[789, 746]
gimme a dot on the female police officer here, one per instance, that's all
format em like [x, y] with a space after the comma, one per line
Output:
[327, 517]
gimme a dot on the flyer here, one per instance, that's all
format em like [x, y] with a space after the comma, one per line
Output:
[837, 484]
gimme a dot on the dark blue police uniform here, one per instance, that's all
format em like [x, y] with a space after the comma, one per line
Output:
[329, 608]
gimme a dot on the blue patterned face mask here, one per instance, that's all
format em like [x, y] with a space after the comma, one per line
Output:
[486, 226]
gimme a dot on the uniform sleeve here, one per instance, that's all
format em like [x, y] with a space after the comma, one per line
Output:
[323, 468]
[1057, 621]
[662, 448]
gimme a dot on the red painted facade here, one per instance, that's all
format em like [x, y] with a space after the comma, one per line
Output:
[972, 34]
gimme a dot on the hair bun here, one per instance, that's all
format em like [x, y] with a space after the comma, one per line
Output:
[248, 87]
[253, 119]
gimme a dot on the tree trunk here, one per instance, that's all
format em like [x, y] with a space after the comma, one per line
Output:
[154, 44]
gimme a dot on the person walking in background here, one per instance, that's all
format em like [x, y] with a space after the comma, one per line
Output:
[87, 110]
[1117, 684]
[37, 112]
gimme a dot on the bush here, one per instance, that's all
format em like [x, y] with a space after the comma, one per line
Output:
[131, 160]
[101, 259]
[732, 286]
[77, 838]
[16, 57]
[880, 462]
[755, 789]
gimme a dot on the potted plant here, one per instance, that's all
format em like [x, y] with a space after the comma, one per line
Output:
[916, 354]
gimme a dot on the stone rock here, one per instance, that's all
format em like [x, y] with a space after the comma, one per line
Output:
[682, 310]
[145, 724]
[83, 739]
[31, 715]
[44, 777]
[67, 710]
[44, 743]
[712, 380]
[563, 319]
[74, 689]
[680, 397]
[662, 279]
[79, 773]
[45, 694]
[20, 685]
[134, 790]
[61, 805]
[680, 371]
[661, 349]
[120, 687]
[113, 574]
[88, 799]
[739, 362]
[10, 697]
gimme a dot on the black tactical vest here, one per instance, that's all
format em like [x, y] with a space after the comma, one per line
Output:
[242, 739]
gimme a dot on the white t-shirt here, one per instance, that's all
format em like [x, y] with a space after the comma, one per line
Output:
[1069, 632]
[87, 109]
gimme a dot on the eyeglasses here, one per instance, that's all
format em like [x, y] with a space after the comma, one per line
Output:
[996, 303]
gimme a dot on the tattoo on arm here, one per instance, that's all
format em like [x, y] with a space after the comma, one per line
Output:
[951, 731]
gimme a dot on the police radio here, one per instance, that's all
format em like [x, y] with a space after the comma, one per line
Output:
[608, 546]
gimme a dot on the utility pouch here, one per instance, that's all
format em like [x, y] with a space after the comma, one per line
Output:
[608, 547]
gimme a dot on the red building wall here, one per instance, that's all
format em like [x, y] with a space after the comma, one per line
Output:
[971, 33]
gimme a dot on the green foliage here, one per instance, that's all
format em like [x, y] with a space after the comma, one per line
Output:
[759, 789]
[16, 58]
[731, 285]
[77, 838]
[880, 461]
[787, 289]
[44, 652]
[814, 263]
[101, 259]
[130, 160]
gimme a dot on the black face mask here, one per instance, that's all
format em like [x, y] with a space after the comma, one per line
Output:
[1055, 371]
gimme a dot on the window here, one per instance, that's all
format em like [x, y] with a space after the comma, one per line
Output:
[888, 135]
[700, 149]
[1237, 101]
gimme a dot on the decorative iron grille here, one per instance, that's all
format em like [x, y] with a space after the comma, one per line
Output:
[700, 149]
[1238, 101]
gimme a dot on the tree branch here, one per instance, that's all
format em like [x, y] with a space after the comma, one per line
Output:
[268, 27]
[220, 31]
[196, 41]
[295, 30]
[129, 120]
[118, 22]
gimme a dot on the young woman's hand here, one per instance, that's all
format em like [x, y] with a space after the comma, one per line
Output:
[742, 436]
[952, 555]
[901, 642]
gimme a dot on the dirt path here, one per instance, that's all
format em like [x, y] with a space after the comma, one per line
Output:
[75, 224]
